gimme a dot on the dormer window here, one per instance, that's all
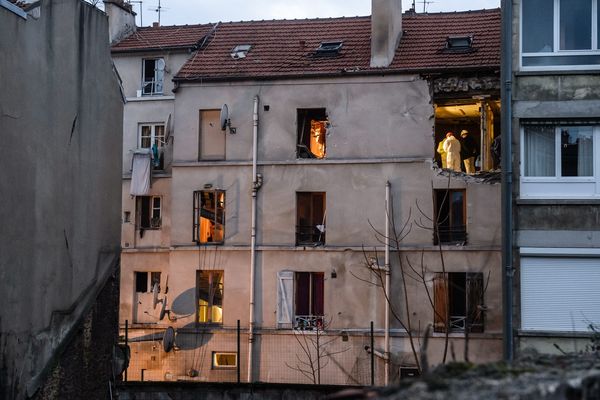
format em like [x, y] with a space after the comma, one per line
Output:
[459, 42]
[240, 51]
[329, 48]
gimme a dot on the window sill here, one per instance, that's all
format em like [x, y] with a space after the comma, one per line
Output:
[150, 98]
[554, 72]
[557, 201]
[557, 334]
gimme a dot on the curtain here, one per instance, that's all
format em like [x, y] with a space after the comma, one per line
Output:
[539, 150]
[585, 151]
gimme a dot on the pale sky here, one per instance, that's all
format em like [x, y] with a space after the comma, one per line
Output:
[179, 12]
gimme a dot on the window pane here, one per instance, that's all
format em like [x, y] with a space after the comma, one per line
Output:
[575, 24]
[159, 135]
[539, 151]
[141, 282]
[146, 133]
[576, 151]
[538, 31]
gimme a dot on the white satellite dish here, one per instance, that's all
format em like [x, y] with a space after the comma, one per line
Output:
[163, 309]
[224, 117]
[155, 299]
[169, 339]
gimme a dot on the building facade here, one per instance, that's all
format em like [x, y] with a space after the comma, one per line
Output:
[556, 162]
[282, 153]
[60, 193]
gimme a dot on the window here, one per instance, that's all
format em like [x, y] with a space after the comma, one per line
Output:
[152, 136]
[458, 301]
[148, 212]
[145, 281]
[559, 160]
[209, 216]
[212, 138]
[209, 295]
[240, 51]
[459, 43]
[329, 48]
[559, 294]
[310, 218]
[476, 125]
[560, 34]
[450, 216]
[224, 360]
[153, 71]
[312, 132]
[300, 300]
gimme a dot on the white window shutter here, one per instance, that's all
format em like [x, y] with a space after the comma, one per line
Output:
[285, 299]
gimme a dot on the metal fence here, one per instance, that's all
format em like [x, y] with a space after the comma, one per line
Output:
[220, 354]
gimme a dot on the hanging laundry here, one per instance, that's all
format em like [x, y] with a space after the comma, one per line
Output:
[141, 173]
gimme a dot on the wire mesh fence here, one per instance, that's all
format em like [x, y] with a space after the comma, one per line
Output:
[220, 354]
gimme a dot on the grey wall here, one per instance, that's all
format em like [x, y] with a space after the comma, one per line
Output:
[61, 124]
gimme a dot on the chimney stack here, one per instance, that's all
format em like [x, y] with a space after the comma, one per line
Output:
[386, 30]
[121, 19]
[155, 24]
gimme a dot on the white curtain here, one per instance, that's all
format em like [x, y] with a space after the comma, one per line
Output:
[540, 150]
[141, 174]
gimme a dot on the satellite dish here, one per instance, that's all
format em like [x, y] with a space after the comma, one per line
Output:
[224, 117]
[168, 130]
[167, 282]
[169, 339]
[155, 299]
[163, 309]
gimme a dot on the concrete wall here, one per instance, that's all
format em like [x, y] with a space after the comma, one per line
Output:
[60, 118]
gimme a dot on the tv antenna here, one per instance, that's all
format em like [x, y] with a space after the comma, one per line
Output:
[425, 4]
[159, 9]
[140, 3]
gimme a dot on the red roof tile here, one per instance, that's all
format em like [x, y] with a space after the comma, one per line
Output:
[286, 48]
[163, 38]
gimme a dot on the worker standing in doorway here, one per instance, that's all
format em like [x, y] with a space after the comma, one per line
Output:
[452, 149]
[468, 151]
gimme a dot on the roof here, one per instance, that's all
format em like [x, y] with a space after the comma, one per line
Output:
[21, 4]
[163, 38]
[287, 48]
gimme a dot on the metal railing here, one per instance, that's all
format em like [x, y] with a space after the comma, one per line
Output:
[309, 235]
[453, 234]
[308, 322]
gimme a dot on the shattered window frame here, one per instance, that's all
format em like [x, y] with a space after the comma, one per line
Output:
[312, 127]
[209, 216]
[459, 302]
[153, 75]
[148, 212]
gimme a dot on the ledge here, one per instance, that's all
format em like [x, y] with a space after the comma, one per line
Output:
[557, 202]
[243, 247]
[149, 98]
[312, 162]
[546, 334]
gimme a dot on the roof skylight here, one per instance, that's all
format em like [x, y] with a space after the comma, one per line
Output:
[240, 51]
[463, 42]
[329, 48]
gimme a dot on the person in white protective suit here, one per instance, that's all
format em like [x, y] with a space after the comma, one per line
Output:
[452, 149]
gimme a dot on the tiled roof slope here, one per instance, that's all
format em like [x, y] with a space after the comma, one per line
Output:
[163, 37]
[286, 48]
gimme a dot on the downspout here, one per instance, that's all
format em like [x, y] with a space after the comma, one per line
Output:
[256, 184]
[507, 176]
[387, 285]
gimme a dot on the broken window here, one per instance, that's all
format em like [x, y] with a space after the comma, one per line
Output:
[212, 138]
[475, 124]
[153, 71]
[143, 304]
[310, 218]
[224, 360]
[209, 216]
[152, 136]
[300, 300]
[240, 51]
[148, 210]
[312, 132]
[458, 302]
[450, 225]
[145, 281]
[209, 295]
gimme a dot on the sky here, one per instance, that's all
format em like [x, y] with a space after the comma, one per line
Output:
[179, 12]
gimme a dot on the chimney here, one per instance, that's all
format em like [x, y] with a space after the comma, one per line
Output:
[121, 19]
[386, 30]
[155, 24]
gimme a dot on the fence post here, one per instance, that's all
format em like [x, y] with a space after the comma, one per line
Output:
[126, 346]
[238, 351]
[372, 355]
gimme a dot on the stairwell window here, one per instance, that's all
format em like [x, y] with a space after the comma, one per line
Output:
[153, 72]
[209, 295]
[458, 302]
[209, 216]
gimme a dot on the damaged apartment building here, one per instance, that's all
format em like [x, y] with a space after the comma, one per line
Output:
[263, 164]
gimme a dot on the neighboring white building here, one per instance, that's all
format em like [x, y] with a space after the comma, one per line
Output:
[312, 135]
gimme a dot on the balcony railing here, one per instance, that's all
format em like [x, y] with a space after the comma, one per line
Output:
[451, 235]
[309, 235]
[152, 87]
[308, 322]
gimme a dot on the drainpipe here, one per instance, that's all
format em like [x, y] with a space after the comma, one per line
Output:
[507, 176]
[256, 184]
[387, 285]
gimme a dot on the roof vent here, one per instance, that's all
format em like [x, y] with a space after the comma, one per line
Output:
[329, 48]
[240, 51]
[463, 42]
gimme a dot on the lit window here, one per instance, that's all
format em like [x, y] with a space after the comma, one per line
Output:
[450, 217]
[458, 302]
[153, 72]
[560, 33]
[148, 212]
[310, 218]
[209, 293]
[312, 133]
[224, 360]
[209, 216]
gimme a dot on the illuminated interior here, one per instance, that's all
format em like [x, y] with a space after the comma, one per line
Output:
[210, 296]
[312, 133]
[212, 215]
[480, 117]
